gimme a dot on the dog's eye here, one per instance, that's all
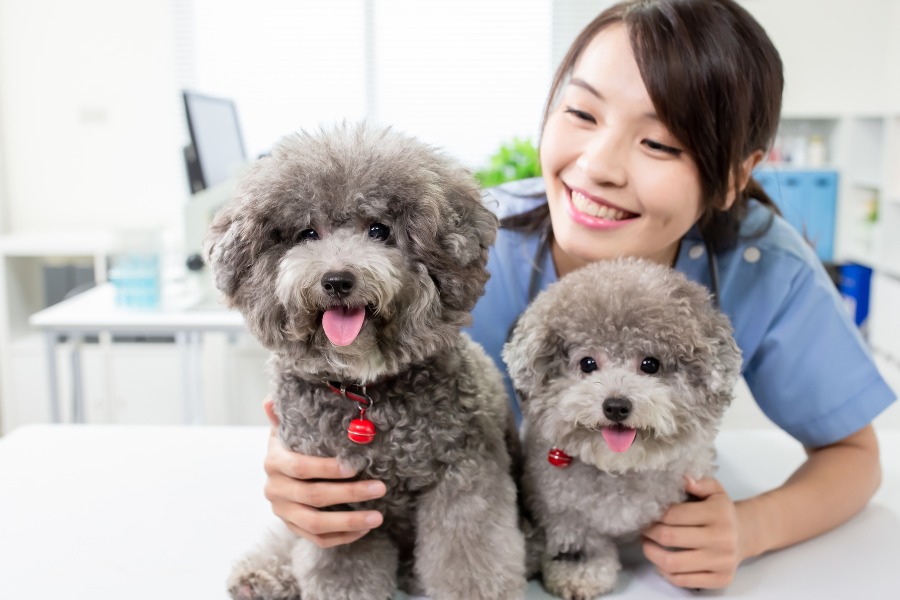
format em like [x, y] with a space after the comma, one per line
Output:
[588, 365]
[379, 231]
[650, 365]
[307, 235]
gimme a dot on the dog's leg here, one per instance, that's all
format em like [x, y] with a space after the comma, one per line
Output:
[469, 546]
[581, 574]
[363, 570]
[266, 573]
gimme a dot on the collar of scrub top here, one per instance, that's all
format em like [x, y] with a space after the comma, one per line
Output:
[543, 246]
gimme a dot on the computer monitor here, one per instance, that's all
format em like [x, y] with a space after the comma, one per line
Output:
[216, 150]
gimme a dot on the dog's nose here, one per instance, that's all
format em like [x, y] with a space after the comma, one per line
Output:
[338, 284]
[617, 409]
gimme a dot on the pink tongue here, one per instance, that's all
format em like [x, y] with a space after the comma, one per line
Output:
[342, 325]
[619, 439]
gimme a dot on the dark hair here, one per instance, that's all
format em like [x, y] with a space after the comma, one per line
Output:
[715, 80]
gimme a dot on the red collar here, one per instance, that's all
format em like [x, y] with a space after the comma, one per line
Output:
[357, 393]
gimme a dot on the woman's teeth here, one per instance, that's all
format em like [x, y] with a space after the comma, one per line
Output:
[597, 210]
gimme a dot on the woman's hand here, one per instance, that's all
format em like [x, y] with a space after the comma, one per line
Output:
[295, 489]
[715, 534]
[698, 544]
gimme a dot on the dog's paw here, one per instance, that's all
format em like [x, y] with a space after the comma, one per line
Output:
[580, 579]
[263, 585]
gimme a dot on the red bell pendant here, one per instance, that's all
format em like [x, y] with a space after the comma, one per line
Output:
[558, 458]
[361, 430]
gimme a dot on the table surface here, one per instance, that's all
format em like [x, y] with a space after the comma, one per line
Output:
[112, 512]
[96, 310]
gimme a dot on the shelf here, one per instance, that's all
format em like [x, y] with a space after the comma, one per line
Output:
[868, 184]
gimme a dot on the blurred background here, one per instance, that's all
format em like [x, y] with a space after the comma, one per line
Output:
[122, 125]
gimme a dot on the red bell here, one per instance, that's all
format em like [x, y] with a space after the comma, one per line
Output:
[558, 458]
[361, 431]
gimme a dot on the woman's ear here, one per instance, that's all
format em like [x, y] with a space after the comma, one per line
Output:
[747, 167]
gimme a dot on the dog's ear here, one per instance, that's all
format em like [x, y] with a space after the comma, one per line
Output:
[532, 354]
[476, 227]
[469, 231]
[716, 359]
[724, 354]
[227, 250]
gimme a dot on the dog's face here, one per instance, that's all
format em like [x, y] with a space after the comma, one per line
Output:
[353, 252]
[624, 364]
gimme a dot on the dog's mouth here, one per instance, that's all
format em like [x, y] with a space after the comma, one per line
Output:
[618, 437]
[342, 324]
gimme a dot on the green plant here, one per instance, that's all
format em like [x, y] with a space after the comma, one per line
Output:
[517, 159]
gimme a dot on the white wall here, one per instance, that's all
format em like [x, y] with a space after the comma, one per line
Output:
[88, 111]
[4, 194]
[466, 75]
[839, 56]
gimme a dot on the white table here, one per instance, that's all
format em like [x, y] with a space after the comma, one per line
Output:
[95, 312]
[116, 512]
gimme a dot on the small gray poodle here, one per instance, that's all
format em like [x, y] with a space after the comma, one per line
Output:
[624, 369]
[355, 255]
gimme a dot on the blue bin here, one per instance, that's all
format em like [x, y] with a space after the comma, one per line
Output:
[855, 284]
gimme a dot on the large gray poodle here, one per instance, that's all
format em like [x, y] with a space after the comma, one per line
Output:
[624, 369]
[355, 255]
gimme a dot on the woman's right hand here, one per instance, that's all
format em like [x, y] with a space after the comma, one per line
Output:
[296, 499]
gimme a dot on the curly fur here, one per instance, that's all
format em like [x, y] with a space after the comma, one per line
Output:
[445, 433]
[617, 313]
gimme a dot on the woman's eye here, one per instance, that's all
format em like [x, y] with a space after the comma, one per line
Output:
[379, 231]
[580, 114]
[650, 365]
[588, 365]
[307, 235]
[656, 146]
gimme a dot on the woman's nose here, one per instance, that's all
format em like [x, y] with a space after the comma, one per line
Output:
[604, 160]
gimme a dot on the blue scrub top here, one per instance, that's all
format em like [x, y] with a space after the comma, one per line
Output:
[804, 360]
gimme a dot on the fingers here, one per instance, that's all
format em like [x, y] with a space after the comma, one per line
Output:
[713, 500]
[298, 485]
[321, 494]
[297, 502]
[691, 568]
[688, 514]
[328, 529]
[280, 460]
[669, 536]
[694, 544]
[269, 407]
[703, 488]
[700, 581]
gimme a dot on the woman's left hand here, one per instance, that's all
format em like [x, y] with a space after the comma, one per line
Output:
[698, 544]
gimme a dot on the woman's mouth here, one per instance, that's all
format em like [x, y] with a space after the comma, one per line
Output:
[595, 210]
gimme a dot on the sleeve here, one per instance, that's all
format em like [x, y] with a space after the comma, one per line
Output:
[492, 316]
[812, 373]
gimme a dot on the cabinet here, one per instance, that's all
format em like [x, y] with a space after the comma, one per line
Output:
[808, 201]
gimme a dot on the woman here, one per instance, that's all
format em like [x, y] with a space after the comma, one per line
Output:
[654, 122]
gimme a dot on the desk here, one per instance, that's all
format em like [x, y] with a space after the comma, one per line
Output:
[94, 312]
[112, 512]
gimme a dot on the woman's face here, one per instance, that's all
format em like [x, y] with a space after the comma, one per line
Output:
[618, 183]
